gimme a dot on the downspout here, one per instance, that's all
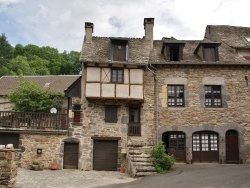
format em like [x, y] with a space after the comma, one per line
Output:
[153, 70]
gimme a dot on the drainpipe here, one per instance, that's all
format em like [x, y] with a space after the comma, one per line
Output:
[153, 70]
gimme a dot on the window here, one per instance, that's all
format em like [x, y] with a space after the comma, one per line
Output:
[77, 116]
[176, 95]
[134, 128]
[213, 96]
[205, 141]
[119, 50]
[174, 53]
[111, 114]
[209, 54]
[117, 75]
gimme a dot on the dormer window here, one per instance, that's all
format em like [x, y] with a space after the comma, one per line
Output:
[173, 51]
[119, 50]
[208, 51]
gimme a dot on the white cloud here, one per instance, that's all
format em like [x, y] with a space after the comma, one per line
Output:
[60, 23]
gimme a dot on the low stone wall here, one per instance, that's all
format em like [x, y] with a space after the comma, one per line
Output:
[41, 148]
[8, 168]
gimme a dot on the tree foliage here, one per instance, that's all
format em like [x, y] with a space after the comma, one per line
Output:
[31, 97]
[35, 60]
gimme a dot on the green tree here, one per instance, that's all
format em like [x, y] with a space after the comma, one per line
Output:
[6, 50]
[21, 66]
[39, 65]
[30, 97]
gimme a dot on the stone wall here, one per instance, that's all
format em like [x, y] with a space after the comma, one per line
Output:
[50, 144]
[195, 116]
[8, 167]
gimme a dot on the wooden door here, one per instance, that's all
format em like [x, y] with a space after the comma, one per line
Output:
[70, 158]
[175, 145]
[205, 147]
[105, 155]
[232, 147]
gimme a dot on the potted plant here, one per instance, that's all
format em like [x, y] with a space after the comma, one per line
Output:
[122, 162]
[53, 166]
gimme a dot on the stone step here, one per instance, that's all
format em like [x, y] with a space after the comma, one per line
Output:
[141, 159]
[140, 174]
[142, 155]
[143, 164]
[145, 168]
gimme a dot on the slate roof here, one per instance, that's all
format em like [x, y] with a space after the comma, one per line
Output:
[229, 37]
[58, 83]
[99, 51]
[233, 36]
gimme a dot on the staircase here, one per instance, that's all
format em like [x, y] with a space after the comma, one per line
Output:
[140, 162]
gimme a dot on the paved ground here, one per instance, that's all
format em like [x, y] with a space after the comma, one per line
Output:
[196, 176]
[183, 176]
[68, 178]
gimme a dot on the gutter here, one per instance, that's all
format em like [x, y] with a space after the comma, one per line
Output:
[153, 70]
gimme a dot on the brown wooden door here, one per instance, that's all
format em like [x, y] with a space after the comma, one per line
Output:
[9, 138]
[205, 147]
[232, 147]
[175, 144]
[105, 155]
[70, 158]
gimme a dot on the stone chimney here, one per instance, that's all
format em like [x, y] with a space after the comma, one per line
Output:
[89, 28]
[148, 27]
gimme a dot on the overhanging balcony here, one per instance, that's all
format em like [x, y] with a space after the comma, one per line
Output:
[33, 121]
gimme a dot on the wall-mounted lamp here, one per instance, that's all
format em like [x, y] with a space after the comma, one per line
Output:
[39, 151]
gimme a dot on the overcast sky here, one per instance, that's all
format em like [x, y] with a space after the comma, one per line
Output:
[60, 23]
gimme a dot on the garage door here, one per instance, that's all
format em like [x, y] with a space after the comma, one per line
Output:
[205, 147]
[105, 155]
[70, 158]
[9, 138]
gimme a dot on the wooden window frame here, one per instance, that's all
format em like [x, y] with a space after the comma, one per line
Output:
[214, 94]
[173, 100]
[116, 78]
[111, 113]
[134, 127]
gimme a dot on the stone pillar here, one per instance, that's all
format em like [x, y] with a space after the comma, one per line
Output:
[8, 167]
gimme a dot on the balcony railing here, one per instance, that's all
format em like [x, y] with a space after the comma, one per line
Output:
[33, 120]
[134, 129]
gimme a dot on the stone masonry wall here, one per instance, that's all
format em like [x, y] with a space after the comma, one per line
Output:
[8, 168]
[195, 116]
[51, 145]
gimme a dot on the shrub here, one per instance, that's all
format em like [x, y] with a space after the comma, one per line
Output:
[161, 160]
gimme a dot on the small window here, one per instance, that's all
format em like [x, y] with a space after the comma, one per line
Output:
[213, 96]
[77, 116]
[210, 54]
[117, 75]
[175, 95]
[111, 114]
[119, 50]
[134, 127]
[174, 52]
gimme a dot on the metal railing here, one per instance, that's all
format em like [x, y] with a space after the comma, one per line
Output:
[33, 120]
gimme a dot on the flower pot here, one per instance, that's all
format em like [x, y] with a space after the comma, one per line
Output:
[122, 169]
[53, 166]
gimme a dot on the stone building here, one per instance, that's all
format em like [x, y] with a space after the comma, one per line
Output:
[135, 92]
[190, 94]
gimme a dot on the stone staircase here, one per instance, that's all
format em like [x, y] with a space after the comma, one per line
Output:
[140, 162]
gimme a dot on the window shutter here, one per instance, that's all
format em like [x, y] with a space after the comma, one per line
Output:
[111, 114]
